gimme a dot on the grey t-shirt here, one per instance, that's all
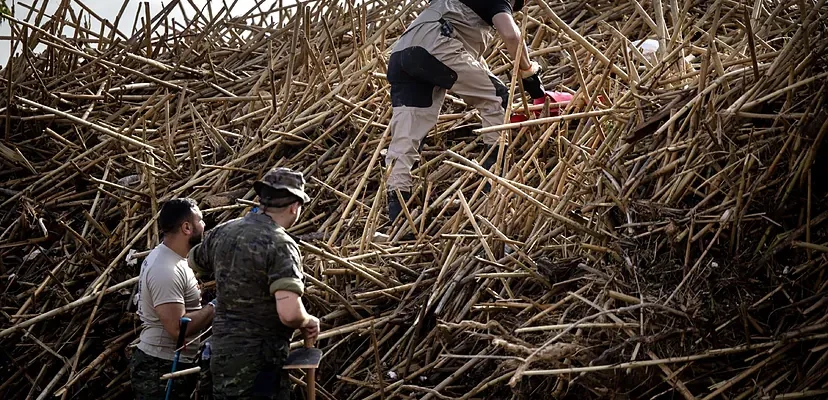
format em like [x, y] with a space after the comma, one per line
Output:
[165, 278]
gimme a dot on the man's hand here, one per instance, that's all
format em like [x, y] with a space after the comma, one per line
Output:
[310, 329]
[532, 83]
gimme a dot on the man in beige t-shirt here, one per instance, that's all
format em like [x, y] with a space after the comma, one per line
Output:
[167, 291]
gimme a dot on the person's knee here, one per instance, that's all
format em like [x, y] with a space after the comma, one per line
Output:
[423, 66]
[414, 74]
[501, 91]
[489, 110]
[404, 155]
[491, 138]
[411, 94]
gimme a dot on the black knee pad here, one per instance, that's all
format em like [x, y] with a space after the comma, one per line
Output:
[413, 74]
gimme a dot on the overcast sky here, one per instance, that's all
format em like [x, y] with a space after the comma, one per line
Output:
[108, 9]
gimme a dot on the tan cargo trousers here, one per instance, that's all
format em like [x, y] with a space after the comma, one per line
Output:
[426, 63]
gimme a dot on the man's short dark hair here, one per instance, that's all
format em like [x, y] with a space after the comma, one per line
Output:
[174, 212]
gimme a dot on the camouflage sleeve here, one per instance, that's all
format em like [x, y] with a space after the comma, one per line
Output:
[198, 258]
[285, 269]
[195, 259]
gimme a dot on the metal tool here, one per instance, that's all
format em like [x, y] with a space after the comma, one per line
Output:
[306, 358]
[182, 334]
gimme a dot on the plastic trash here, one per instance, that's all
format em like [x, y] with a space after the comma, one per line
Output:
[514, 118]
[560, 99]
[557, 97]
[206, 353]
[131, 260]
[646, 46]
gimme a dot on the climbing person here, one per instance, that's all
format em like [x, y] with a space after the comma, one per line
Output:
[256, 262]
[168, 290]
[442, 51]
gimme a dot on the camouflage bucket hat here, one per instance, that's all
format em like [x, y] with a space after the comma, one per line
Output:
[283, 178]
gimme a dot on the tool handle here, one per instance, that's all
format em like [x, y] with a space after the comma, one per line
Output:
[309, 342]
[310, 381]
[182, 331]
[182, 335]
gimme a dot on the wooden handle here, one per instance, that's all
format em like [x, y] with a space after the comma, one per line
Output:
[310, 381]
[309, 342]
[183, 372]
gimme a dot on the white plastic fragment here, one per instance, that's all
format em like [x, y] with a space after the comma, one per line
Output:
[131, 260]
[646, 46]
[31, 256]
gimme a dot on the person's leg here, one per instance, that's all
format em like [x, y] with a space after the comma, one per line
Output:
[285, 391]
[146, 371]
[479, 88]
[183, 387]
[234, 374]
[492, 116]
[409, 126]
[418, 86]
[250, 372]
[205, 380]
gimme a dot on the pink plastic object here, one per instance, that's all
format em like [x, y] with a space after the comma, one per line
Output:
[517, 118]
[560, 98]
[556, 97]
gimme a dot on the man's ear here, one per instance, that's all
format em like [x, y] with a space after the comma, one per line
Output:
[294, 208]
[186, 227]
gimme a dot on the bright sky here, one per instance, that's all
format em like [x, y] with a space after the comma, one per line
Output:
[108, 9]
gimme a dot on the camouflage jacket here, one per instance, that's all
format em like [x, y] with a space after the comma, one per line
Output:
[252, 257]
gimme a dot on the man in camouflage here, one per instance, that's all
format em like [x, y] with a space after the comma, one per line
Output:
[255, 260]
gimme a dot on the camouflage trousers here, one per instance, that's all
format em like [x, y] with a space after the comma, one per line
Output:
[250, 373]
[205, 381]
[145, 372]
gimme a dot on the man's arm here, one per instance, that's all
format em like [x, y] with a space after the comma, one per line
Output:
[287, 287]
[197, 259]
[509, 32]
[171, 313]
[292, 313]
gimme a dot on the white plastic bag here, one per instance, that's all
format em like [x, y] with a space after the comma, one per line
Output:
[646, 46]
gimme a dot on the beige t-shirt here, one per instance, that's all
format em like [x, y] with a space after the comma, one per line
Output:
[165, 278]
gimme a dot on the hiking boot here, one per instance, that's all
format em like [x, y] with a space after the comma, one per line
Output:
[394, 205]
[489, 162]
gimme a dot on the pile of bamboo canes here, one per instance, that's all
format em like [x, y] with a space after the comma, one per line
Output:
[663, 235]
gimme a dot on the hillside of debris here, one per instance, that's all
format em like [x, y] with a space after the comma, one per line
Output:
[662, 235]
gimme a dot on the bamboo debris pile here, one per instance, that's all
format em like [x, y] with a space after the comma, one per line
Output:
[665, 235]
